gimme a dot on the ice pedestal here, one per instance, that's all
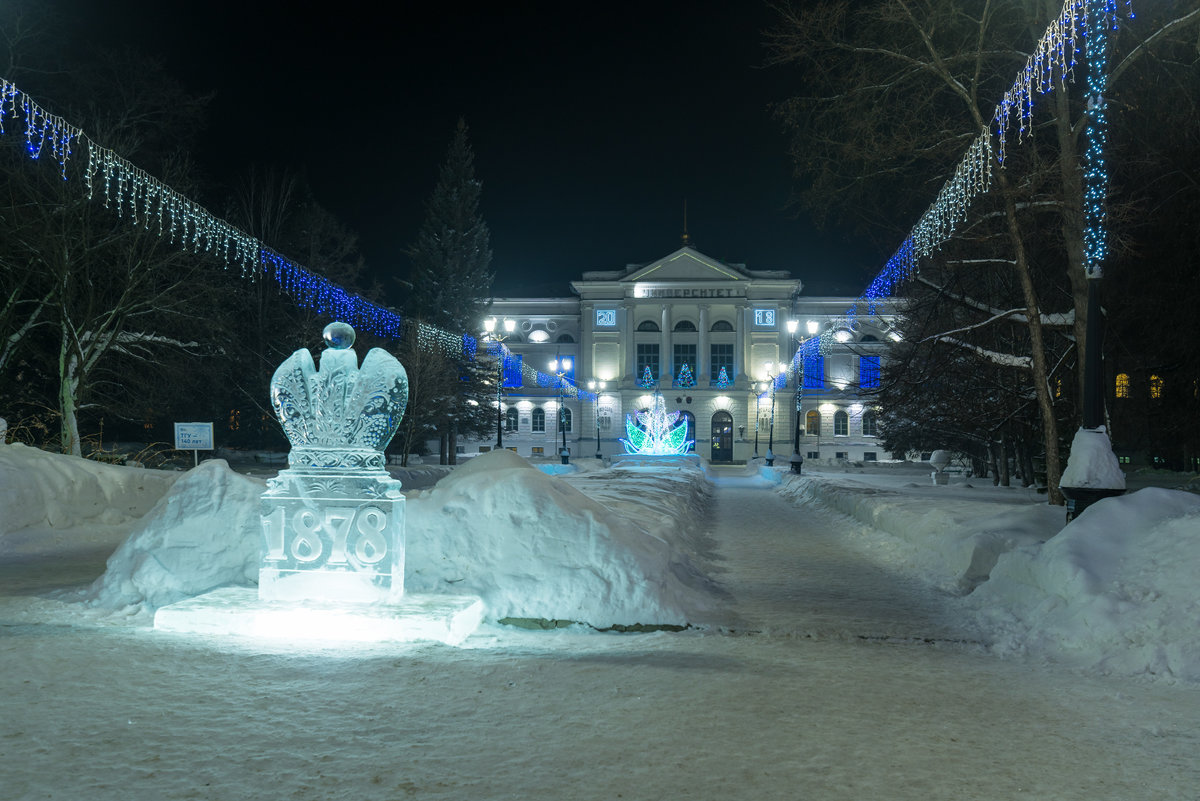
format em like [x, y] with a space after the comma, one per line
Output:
[238, 611]
[332, 534]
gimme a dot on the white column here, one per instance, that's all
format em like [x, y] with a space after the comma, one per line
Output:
[629, 341]
[701, 365]
[664, 349]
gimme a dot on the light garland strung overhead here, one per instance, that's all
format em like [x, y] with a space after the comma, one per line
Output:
[144, 201]
[1051, 64]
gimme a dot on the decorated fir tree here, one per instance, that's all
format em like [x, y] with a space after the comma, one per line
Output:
[685, 379]
[722, 379]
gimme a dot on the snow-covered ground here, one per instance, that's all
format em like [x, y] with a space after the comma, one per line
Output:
[854, 635]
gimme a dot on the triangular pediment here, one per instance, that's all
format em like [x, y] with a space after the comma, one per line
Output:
[687, 264]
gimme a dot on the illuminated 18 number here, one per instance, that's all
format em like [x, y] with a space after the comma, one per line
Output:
[368, 524]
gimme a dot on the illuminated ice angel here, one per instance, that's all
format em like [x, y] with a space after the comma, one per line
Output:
[657, 432]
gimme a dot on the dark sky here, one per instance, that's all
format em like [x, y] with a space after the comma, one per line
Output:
[591, 123]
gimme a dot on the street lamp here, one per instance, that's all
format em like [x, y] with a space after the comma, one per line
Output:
[758, 389]
[596, 387]
[798, 364]
[772, 375]
[489, 326]
[560, 367]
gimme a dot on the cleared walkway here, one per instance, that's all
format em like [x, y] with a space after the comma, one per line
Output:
[791, 572]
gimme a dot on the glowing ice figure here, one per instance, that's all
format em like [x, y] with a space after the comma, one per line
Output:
[333, 522]
[657, 432]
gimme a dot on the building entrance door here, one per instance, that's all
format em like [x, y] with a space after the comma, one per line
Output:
[722, 437]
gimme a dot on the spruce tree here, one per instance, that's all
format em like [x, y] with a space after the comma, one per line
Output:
[450, 287]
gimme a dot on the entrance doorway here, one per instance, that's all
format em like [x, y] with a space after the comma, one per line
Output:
[722, 437]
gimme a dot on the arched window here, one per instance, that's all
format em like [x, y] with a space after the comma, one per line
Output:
[647, 325]
[565, 338]
[565, 417]
[721, 325]
[870, 423]
[685, 325]
[1156, 386]
[539, 420]
[812, 422]
[841, 424]
[604, 420]
[510, 419]
[1122, 385]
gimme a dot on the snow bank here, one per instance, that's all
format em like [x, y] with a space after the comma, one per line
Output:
[535, 546]
[531, 545]
[949, 540]
[1115, 591]
[202, 534]
[46, 489]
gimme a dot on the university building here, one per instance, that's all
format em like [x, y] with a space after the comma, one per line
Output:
[716, 340]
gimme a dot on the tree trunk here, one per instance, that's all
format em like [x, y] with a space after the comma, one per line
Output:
[68, 389]
[452, 443]
[1041, 380]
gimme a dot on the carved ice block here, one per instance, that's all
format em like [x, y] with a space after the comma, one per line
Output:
[332, 538]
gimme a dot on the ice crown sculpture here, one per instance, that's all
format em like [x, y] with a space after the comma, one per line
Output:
[340, 415]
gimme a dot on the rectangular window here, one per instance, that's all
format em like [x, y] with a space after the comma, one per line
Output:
[683, 354]
[841, 455]
[814, 371]
[512, 370]
[813, 455]
[869, 456]
[868, 372]
[721, 356]
[647, 356]
[537, 451]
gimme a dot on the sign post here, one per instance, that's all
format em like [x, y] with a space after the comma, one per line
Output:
[194, 437]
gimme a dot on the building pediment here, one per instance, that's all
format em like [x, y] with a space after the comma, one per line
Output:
[687, 265]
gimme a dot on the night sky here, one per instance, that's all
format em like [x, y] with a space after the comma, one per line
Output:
[589, 131]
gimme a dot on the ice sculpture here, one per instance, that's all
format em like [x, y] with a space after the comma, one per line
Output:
[333, 521]
[660, 433]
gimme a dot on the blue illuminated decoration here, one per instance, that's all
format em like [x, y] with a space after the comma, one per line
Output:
[814, 371]
[1051, 65]
[868, 372]
[764, 317]
[722, 379]
[685, 379]
[512, 370]
[606, 317]
[647, 381]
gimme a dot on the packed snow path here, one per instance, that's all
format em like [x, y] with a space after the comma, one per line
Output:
[829, 691]
[792, 573]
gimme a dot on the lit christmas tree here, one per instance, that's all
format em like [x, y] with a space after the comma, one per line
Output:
[722, 379]
[657, 432]
[685, 380]
[647, 381]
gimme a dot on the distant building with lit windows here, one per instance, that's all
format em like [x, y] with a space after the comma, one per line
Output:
[707, 332]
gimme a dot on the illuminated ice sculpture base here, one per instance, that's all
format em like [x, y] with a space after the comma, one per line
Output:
[332, 534]
[239, 612]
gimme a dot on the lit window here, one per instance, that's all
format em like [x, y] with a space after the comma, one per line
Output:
[1122, 385]
[812, 422]
[841, 424]
[1156, 386]
[868, 372]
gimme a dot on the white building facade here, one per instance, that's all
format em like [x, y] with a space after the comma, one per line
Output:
[717, 341]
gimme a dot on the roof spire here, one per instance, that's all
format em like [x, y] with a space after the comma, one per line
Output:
[687, 242]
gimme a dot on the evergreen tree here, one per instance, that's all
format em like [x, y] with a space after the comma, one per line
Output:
[450, 284]
[450, 278]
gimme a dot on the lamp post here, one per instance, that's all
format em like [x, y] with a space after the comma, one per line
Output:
[797, 461]
[758, 388]
[489, 326]
[596, 387]
[560, 367]
[773, 373]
